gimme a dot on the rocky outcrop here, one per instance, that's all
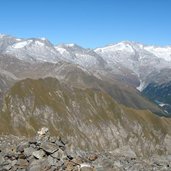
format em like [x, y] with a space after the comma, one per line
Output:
[47, 153]
[42, 153]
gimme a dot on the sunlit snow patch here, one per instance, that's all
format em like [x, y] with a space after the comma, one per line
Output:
[21, 44]
[141, 86]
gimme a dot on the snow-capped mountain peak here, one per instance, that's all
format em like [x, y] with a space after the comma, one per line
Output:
[161, 52]
[128, 46]
[131, 63]
[131, 55]
[76, 54]
[33, 50]
[21, 44]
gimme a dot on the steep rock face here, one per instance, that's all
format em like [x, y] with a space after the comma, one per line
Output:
[89, 118]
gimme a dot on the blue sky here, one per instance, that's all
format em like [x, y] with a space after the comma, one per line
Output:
[89, 23]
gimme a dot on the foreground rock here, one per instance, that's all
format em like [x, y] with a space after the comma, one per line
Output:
[45, 153]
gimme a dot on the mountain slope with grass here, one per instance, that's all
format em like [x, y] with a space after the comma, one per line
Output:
[89, 118]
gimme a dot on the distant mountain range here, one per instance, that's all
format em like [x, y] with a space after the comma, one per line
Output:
[113, 93]
[130, 63]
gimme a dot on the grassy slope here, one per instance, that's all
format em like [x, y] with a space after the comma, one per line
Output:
[90, 115]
